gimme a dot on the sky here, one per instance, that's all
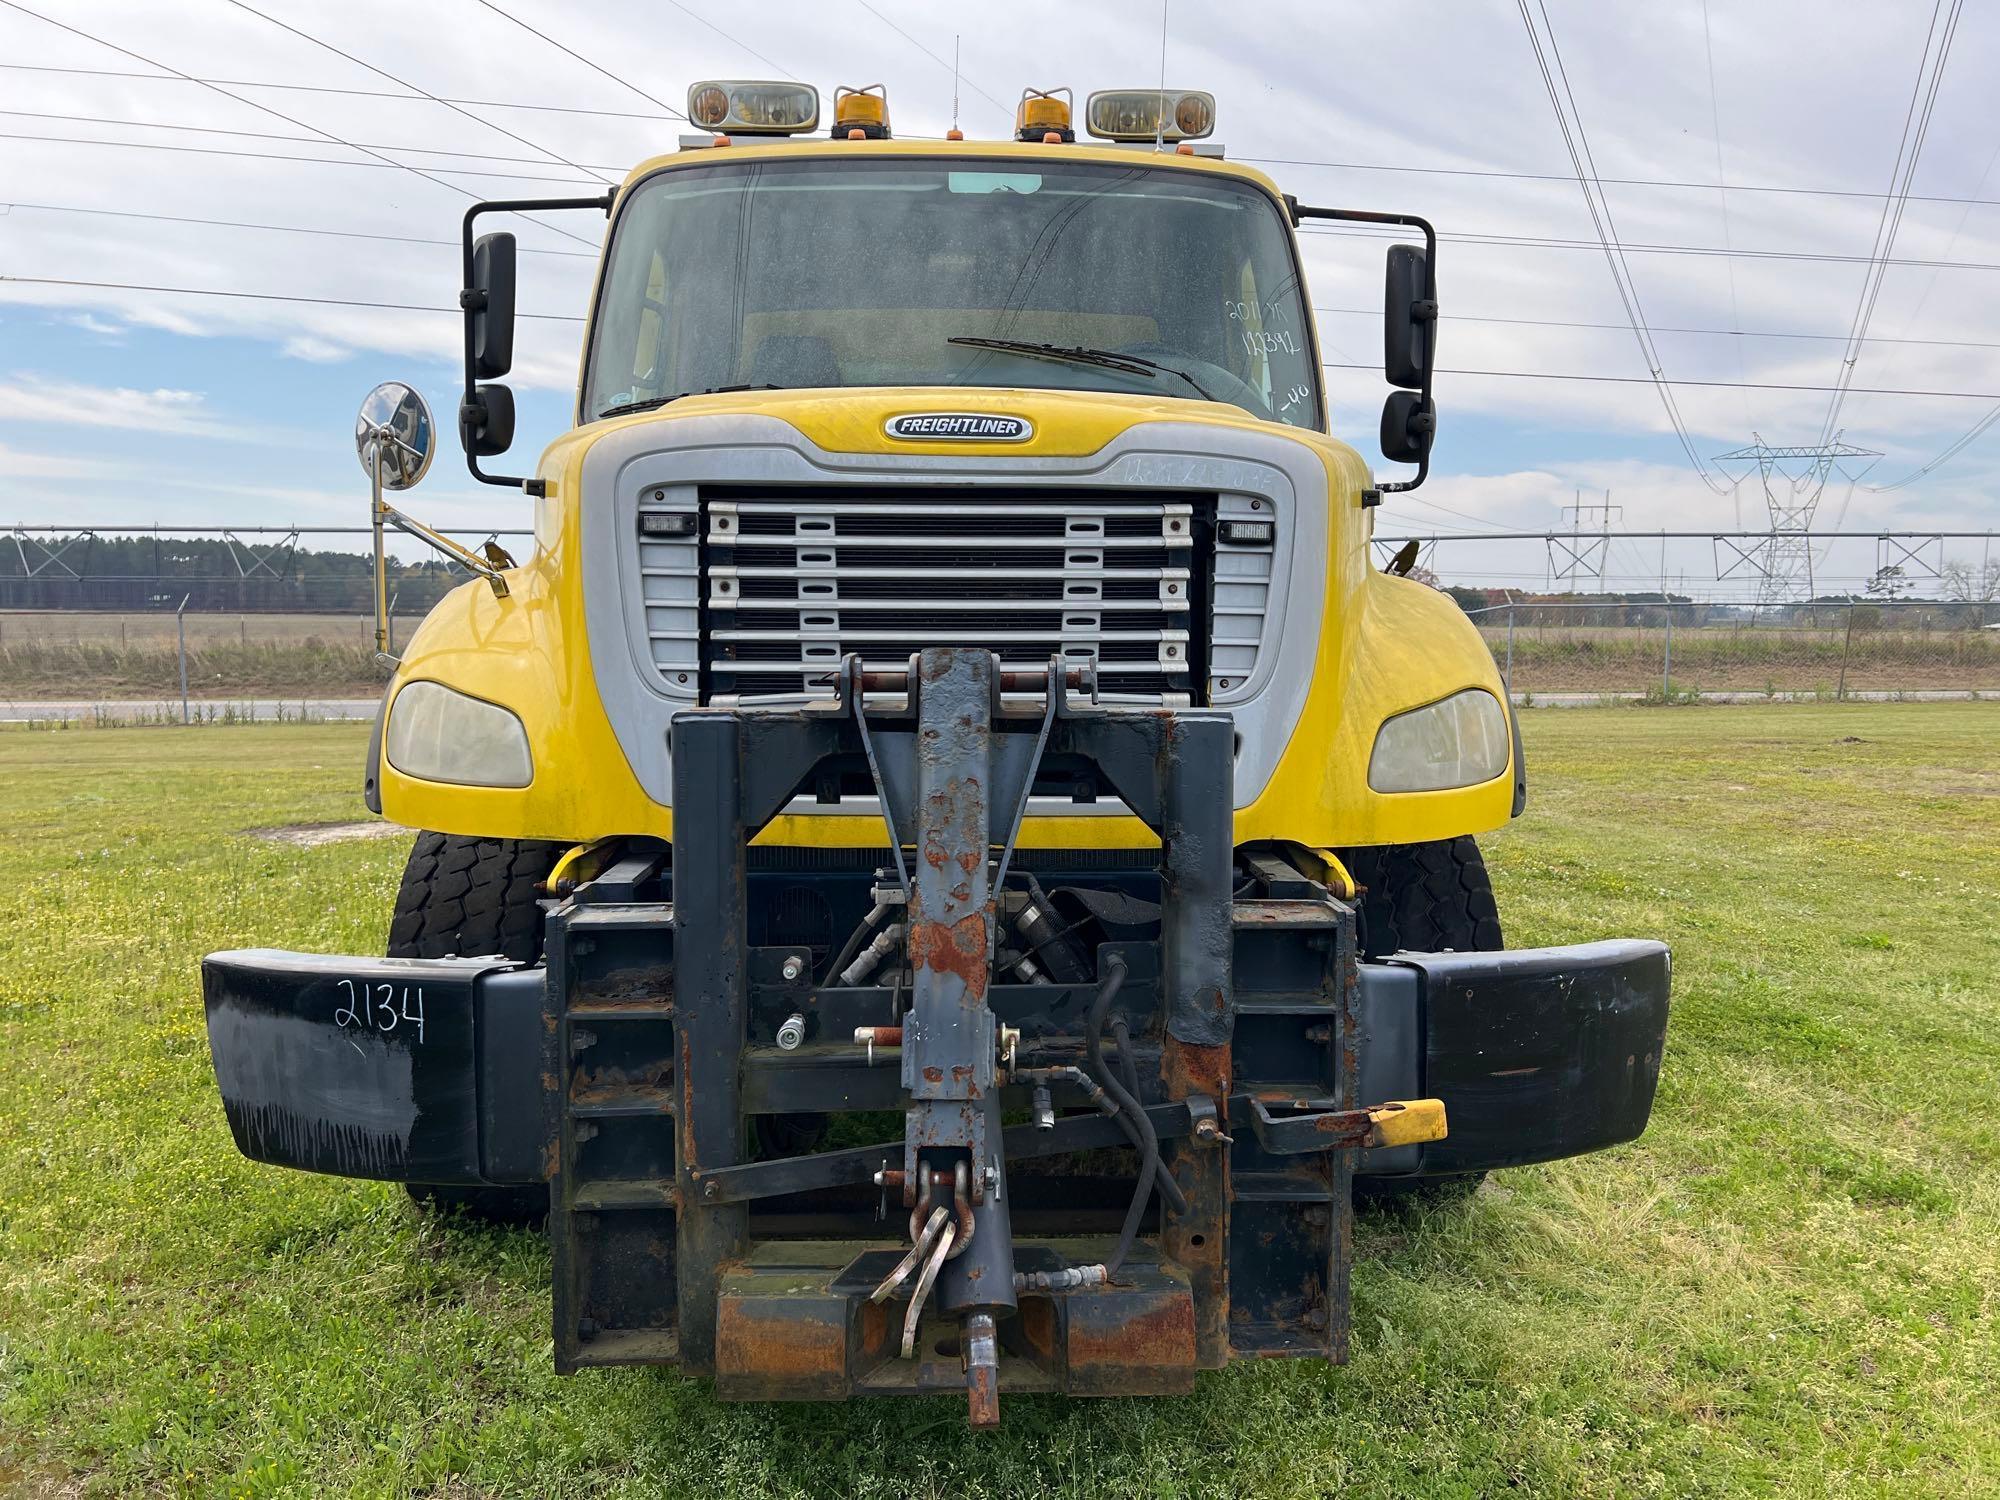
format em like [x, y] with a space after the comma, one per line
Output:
[122, 407]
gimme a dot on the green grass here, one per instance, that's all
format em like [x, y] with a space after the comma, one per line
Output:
[1790, 1286]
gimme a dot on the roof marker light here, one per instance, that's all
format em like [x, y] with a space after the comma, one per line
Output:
[1045, 112]
[865, 109]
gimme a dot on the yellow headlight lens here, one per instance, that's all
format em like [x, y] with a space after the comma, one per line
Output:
[1460, 741]
[708, 105]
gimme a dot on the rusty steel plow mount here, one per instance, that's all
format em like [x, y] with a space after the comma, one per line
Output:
[1189, 1069]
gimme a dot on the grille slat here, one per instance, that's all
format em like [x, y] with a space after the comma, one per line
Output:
[792, 581]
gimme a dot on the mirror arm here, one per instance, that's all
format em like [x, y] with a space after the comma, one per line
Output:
[1425, 309]
[471, 300]
[472, 562]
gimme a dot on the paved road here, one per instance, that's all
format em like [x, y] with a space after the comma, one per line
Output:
[150, 710]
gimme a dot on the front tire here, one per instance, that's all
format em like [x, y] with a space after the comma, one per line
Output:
[474, 898]
[1426, 898]
[1423, 898]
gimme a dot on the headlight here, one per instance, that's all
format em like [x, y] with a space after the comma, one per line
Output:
[436, 734]
[1460, 741]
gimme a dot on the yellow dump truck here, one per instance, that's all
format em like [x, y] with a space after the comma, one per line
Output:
[947, 866]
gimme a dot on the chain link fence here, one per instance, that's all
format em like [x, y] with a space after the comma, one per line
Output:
[1579, 651]
[1564, 651]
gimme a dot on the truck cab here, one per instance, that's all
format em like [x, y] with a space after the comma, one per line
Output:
[950, 677]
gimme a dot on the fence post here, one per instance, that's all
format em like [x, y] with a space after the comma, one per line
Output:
[1667, 670]
[1846, 645]
[181, 630]
[1507, 676]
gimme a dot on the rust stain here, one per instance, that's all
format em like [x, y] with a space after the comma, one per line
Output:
[934, 1074]
[1150, 1352]
[956, 948]
[689, 1158]
[1198, 1238]
[1036, 1325]
[774, 1347]
[873, 1334]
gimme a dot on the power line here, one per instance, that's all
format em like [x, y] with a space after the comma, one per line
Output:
[1494, 173]
[1004, 108]
[196, 291]
[342, 234]
[14, 5]
[311, 161]
[1727, 333]
[1462, 237]
[320, 88]
[1723, 385]
[594, 67]
[733, 41]
[1908, 148]
[1722, 193]
[415, 89]
[1577, 143]
[270, 135]
[1556, 242]
[209, 291]
[1687, 184]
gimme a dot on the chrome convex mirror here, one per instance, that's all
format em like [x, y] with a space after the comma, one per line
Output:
[395, 439]
[395, 432]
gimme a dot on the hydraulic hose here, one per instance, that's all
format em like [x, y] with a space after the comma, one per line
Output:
[1132, 1117]
[1149, 1157]
[862, 932]
[1138, 1125]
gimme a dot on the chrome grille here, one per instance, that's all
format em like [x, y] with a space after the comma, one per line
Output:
[791, 580]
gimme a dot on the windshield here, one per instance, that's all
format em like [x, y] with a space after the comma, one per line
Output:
[822, 273]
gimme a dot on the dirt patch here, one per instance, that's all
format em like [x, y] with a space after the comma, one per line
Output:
[312, 835]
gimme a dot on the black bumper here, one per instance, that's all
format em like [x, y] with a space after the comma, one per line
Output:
[430, 1070]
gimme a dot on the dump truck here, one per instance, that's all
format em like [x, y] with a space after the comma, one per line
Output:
[950, 863]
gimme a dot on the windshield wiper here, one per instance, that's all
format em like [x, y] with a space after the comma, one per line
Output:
[1109, 359]
[653, 403]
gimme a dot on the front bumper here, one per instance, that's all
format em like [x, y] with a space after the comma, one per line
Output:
[432, 1070]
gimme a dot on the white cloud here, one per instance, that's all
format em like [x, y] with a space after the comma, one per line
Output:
[316, 351]
[19, 464]
[91, 323]
[26, 397]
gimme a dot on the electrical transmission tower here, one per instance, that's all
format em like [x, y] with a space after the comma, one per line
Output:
[1584, 550]
[1793, 480]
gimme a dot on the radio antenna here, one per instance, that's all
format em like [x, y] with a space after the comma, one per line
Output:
[954, 83]
[1160, 115]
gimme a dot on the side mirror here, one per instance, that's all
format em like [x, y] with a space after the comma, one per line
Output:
[1409, 318]
[486, 421]
[489, 309]
[1409, 422]
[393, 435]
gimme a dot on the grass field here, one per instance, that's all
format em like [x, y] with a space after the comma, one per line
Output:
[1789, 1286]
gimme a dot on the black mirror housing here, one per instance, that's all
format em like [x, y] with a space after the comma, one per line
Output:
[489, 306]
[1409, 423]
[486, 421]
[1409, 318]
